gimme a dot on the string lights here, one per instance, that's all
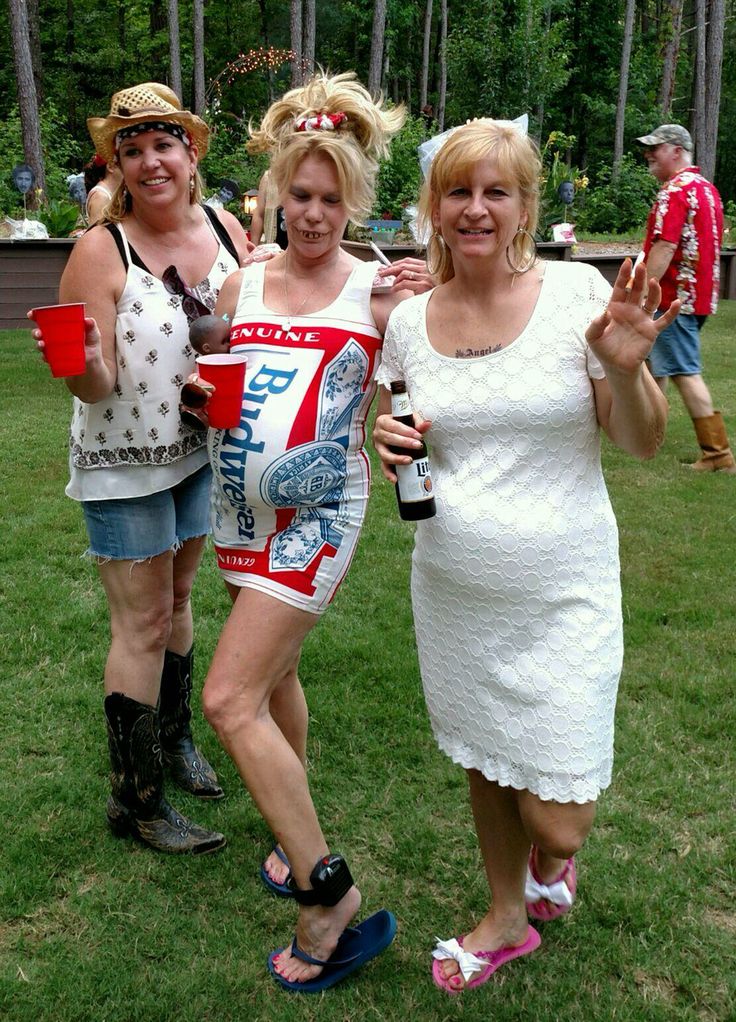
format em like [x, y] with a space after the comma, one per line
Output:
[260, 59]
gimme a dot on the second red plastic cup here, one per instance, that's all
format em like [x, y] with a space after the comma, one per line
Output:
[227, 374]
[62, 327]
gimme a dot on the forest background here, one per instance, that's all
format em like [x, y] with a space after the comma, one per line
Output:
[591, 75]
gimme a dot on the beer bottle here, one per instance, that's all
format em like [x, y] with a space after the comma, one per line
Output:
[414, 486]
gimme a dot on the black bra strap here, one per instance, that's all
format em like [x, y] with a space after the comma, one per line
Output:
[221, 232]
[112, 228]
[218, 228]
[135, 258]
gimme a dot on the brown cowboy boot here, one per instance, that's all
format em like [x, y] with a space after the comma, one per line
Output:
[137, 805]
[711, 433]
[185, 764]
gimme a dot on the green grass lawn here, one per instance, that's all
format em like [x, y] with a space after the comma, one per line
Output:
[95, 929]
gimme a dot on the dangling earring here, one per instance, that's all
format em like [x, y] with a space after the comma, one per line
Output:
[127, 202]
[191, 189]
[436, 242]
[520, 238]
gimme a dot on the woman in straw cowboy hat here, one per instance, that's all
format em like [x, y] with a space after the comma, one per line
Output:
[290, 488]
[156, 261]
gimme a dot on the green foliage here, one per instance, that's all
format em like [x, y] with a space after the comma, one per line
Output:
[399, 177]
[95, 928]
[59, 216]
[227, 157]
[62, 156]
[622, 204]
[729, 224]
[504, 59]
[556, 170]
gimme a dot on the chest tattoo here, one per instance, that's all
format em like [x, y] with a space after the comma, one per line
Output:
[475, 353]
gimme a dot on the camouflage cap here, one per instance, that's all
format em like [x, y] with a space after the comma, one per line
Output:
[675, 134]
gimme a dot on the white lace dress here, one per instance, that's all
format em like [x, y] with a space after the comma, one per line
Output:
[515, 582]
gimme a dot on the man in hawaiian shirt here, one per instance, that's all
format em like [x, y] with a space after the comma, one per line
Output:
[682, 250]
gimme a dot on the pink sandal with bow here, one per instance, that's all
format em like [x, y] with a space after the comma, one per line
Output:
[549, 901]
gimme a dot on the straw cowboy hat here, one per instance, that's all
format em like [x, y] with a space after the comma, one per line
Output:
[150, 101]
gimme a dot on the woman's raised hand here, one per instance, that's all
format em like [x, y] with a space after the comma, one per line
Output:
[623, 335]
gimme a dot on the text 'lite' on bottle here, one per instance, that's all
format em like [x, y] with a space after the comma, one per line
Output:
[414, 491]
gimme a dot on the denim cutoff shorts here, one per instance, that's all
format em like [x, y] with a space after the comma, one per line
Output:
[676, 351]
[136, 528]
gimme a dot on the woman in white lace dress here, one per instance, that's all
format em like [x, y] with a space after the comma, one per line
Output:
[513, 366]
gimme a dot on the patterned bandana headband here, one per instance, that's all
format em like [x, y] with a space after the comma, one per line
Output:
[138, 129]
[319, 122]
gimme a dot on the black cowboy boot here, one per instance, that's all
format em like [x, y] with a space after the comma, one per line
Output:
[186, 765]
[137, 805]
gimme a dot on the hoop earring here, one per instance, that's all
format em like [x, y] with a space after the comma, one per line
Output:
[436, 241]
[531, 258]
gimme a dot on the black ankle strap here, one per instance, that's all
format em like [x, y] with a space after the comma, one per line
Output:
[330, 879]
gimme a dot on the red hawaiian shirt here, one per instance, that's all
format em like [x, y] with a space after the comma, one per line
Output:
[688, 213]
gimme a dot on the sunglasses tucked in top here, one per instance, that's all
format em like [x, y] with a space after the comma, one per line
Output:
[192, 306]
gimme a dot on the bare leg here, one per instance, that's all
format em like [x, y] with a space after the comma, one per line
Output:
[257, 653]
[695, 395]
[289, 710]
[507, 823]
[557, 829]
[140, 598]
[186, 562]
[504, 846]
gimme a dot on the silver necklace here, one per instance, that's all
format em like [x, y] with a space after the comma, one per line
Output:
[293, 315]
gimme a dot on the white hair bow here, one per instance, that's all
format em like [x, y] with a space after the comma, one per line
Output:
[429, 149]
[465, 959]
[558, 892]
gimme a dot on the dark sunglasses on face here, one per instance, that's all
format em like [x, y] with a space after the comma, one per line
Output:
[192, 307]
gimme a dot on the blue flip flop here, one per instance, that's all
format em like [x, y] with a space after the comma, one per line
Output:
[356, 946]
[280, 890]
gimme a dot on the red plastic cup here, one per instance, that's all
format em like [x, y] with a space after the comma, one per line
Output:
[62, 327]
[227, 374]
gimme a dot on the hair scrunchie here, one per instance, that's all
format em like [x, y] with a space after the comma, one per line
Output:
[319, 122]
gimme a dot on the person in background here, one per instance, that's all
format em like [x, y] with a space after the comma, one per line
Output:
[100, 181]
[268, 226]
[141, 476]
[514, 366]
[682, 250]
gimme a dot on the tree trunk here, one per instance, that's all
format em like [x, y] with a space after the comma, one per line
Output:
[310, 28]
[697, 117]
[71, 49]
[376, 62]
[174, 48]
[672, 20]
[442, 92]
[34, 38]
[296, 42]
[713, 68]
[27, 99]
[199, 57]
[623, 88]
[425, 55]
[265, 43]
[541, 103]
